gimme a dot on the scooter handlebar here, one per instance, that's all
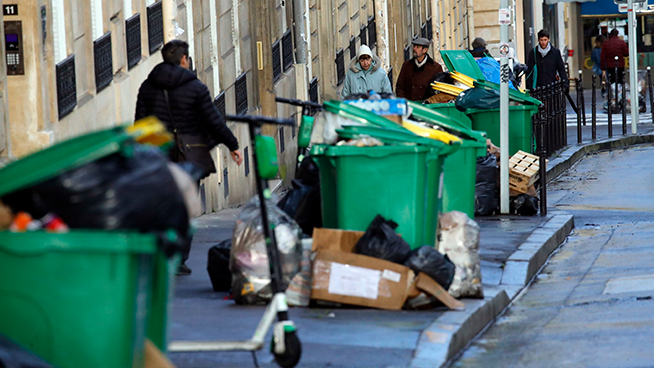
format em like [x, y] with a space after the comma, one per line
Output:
[260, 120]
[300, 103]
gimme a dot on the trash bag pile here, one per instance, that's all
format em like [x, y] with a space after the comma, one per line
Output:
[138, 188]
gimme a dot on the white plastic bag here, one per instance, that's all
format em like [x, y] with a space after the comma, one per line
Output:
[460, 241]
[325, 125]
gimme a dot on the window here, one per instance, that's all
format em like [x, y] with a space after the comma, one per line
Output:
[241, 88]
[155, 27]
[287, 46]
[66, 88]
[372, 32]
[313, 89]
[340, 67]
[103, 62]
[276, 62]
[219, 102]
[133, 40]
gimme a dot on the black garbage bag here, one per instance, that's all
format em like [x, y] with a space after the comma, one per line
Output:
[13, 355]
[294, 197]
[486, 199]
[116, 192]
[524, 204]
[478, 98]
[218, 266]
[437, 266]
[381, 241]
[443, 77]
[302, 202]
[309, 212]
[308, 172]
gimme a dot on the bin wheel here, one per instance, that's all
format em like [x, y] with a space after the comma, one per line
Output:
[291, 356]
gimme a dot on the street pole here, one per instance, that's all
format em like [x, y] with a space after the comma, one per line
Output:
[505, 20]
[633, 66]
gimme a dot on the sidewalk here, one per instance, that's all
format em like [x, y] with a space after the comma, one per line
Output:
[512, 249]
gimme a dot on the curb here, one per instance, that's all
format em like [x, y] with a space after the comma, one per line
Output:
[573, 154]
[451, 332]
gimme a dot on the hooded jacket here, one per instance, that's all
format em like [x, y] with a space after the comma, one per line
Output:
[414, 82]
[358, 80]
[190, 105]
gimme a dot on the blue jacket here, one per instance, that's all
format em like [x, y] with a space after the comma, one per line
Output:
[358, 80]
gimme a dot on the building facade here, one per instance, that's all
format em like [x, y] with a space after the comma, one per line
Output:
[75, 66]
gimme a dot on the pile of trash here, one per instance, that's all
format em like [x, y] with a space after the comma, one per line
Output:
[523, 183]
[375, 268]
[134, 187]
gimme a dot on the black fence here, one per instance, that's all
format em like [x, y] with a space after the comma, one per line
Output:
[550, 122]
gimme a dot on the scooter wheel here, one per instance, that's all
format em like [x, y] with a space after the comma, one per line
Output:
[291, 356]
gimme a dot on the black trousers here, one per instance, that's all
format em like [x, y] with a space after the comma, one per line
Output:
[610, 73]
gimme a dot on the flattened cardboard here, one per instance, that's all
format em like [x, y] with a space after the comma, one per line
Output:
[335, 239]
[390, 294]
[428, 285]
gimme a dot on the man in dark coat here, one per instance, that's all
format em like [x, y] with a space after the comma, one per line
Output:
[544, 62]
[611, 48]
[187, 110]
[416, 74]
[190, 101]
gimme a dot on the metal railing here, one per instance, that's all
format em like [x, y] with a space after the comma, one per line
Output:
[552, 117]
[550, 122]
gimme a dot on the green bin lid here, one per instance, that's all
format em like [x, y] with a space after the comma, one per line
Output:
[513, 94]
[448, 123]
[386, 135]
[463, 62]
[363, 116]
[50, 162]
[395, 136]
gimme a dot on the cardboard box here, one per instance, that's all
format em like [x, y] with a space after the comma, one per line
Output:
[335, 239]
[344, 277]
[350, 278]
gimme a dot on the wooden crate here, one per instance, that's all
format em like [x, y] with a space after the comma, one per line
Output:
[523, 171]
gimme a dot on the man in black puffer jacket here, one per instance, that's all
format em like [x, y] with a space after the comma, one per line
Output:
[190, 103]
[176, 97]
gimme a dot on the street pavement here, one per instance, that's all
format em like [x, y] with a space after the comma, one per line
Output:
[591, 305]
[512, 249]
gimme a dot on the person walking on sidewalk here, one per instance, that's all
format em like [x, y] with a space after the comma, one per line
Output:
[416, 74]
[613, 47]
[595, 57]
[365, 75]
[544, 63]
[175, 96]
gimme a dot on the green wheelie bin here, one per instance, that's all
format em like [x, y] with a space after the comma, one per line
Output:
[84, 298]
[521, 137]
[399, 181]
[450, 110]
[488, 120]
[461, 166]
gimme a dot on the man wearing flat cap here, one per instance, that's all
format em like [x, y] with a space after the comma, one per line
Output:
[416, 74]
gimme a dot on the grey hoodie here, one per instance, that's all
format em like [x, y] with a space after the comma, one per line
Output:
[358, 80]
